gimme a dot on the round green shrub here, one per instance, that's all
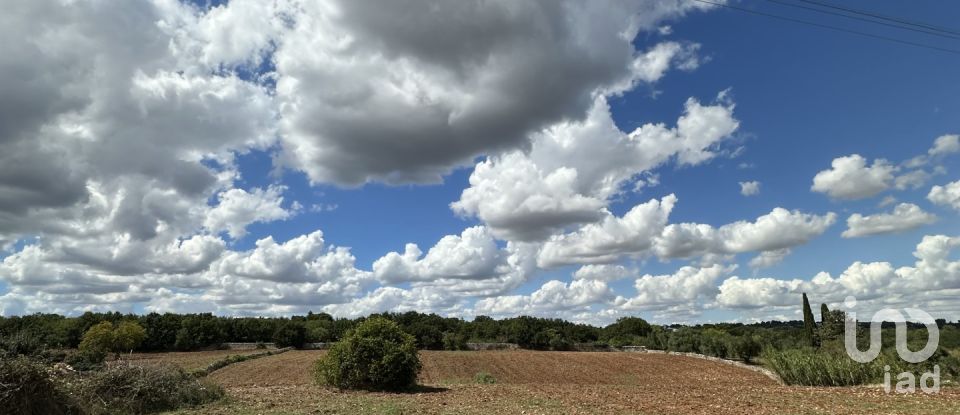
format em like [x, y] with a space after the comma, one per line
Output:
[376, 355]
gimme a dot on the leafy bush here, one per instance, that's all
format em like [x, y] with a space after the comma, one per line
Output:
[376, 355]
[131, 389]
[484, 378]
[26, 389]
[810, 367]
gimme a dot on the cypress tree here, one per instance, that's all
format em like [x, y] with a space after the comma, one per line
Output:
[809, 325]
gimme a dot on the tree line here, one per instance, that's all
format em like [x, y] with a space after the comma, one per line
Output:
[186, 332]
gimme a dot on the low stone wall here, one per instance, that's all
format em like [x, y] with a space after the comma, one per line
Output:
[318, 346]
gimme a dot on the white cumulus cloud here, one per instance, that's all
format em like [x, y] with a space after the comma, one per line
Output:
[750, 188]
[850, 178]
[574, 168]
[905, 216]
[946, 195]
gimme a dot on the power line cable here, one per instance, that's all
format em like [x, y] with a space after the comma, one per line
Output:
[839, 29]
[884, 17]
[904, 26]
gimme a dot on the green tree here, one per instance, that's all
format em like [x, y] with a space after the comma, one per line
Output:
[715, 343]
[376, 355]
[319, 330]
[746, 347]
[98, 338]
[809, 325]
[128, 335]
[831, 324]
[428, 336]
[200, 330]
[626, 331]
[290, 334]
[684, 339]
[454, 341]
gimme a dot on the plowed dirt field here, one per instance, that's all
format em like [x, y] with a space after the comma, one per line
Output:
[186, 360]
[556, 382]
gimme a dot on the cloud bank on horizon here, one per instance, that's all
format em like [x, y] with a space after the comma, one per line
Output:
[125, 128]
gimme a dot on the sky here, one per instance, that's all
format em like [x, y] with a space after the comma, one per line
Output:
[675, 160]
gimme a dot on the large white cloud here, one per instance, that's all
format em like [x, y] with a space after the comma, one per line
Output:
[604, 272]
[644, 230]
[395, 299]
[111, 172]
[778, 230]
[850, 178]
[574, 168]
[471, 255]
[389, 92]
[238, 208]
[946, 195]
[124, 123]
[239, 33]
[682, 287]
[271, 278]
[905, 216]
[945, 144]
[121, 124]
[933, 278]
[551, 297]
[610, 238]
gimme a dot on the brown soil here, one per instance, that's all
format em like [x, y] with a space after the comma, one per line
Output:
[556, 382]
[186, 360]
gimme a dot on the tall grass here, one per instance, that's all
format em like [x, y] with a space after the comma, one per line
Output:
[810, 367]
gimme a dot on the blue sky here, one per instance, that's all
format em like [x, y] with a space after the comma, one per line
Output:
[800, 97]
